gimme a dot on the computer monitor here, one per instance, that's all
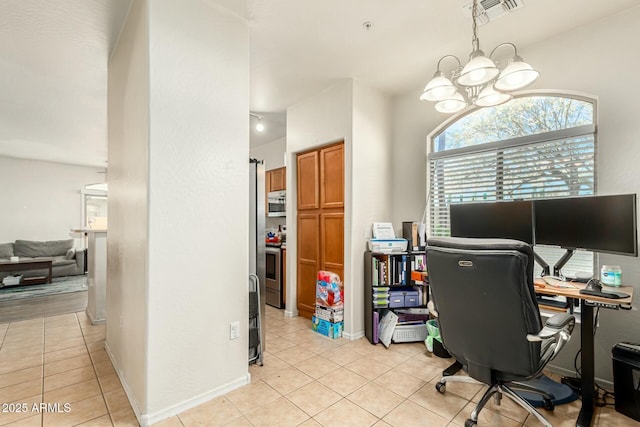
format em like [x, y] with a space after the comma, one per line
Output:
[596, 223]
[500, 220]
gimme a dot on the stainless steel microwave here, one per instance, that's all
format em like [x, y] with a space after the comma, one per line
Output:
[277, 203]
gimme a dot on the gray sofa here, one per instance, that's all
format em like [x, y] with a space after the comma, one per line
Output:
[66, 261]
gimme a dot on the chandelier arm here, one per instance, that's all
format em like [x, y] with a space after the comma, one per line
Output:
[448, 56]
[515, 50]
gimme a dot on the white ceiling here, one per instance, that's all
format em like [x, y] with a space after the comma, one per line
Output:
[54, 53]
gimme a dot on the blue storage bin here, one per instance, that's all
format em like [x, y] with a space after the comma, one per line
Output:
[396, 299]
[411, 299]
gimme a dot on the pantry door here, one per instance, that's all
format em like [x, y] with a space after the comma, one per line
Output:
[320, 220]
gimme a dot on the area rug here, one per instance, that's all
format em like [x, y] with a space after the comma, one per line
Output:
[60, 285]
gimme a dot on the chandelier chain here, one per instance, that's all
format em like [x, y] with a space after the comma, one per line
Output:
[474, 15]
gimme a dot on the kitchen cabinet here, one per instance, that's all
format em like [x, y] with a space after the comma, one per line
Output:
[276, 179]
[320, 220]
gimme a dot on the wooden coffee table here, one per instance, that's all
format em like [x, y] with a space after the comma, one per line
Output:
[29, 265]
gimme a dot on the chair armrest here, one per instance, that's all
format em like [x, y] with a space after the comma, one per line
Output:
[80, 260]
[561, 322]
[554, 335]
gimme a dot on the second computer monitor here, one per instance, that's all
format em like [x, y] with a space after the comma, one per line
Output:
[597, 223]
[500, 220]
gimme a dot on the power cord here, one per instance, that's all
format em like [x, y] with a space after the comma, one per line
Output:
[600, 400]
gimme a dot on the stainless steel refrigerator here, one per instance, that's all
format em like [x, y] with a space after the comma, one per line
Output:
[256, 234]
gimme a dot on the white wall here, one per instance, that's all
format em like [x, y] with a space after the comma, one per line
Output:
[42, 200]
[180, 151]
[320, 120]
[412, 121]
[360, 116]
[372, 181]
[594, 59]
[127, 237]
[272, 153]
[198, 163]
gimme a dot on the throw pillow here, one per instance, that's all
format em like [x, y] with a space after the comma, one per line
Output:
[71, 253]
[6, 250]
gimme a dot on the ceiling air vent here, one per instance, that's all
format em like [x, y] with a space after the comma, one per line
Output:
[488, 10]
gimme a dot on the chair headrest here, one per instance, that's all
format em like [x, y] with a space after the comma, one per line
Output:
[474, 244]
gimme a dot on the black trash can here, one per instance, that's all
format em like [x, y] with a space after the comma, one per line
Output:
[626, 379]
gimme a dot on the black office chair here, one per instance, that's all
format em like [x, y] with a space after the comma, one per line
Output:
[488, 316]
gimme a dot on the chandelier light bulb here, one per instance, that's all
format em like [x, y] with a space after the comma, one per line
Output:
[438, 88]
[478, 71]
[489, 97]
[517, 75]
[452, 104]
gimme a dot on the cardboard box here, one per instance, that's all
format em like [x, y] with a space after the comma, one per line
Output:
[331, 314]
[328, 329]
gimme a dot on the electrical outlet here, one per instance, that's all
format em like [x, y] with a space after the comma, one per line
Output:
[234, 330]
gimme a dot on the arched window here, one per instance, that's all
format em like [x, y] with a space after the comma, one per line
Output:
[537, 145]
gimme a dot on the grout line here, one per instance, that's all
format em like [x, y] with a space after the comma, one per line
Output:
[93, 365]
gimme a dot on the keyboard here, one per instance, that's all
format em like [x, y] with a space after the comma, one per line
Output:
[601, 294]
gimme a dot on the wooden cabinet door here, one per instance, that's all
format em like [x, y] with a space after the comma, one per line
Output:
[332, 243]
[320, 177]
[332, 177]
[278, 179]
[308, 181]
[308, 263]
[267, 181]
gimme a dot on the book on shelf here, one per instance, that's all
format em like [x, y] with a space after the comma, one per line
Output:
[375, 327]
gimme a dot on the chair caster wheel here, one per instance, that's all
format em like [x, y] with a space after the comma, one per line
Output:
[548, 405]
[470, 423]
[441, 387]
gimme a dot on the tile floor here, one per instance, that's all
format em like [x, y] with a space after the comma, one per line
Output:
[306, 380]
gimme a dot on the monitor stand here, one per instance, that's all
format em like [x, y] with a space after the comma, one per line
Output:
[545, 267]
[562, 261]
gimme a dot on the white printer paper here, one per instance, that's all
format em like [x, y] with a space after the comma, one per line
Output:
[383, 230]
[386, 326]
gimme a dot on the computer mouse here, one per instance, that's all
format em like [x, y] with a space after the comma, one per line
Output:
[594, 285]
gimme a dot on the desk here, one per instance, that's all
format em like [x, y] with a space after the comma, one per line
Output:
[586, 338]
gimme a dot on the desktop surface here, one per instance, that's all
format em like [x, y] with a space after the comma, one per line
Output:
[543, 288]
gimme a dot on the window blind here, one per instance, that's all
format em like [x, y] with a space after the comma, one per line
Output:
[514, 170]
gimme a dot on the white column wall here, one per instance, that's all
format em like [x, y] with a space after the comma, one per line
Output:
[127, 237]
[360, 115]
[594, 59]
[177, 254]
[319, 120]
[371, 188]
[198, 203]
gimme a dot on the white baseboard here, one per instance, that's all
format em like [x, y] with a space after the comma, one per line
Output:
[291, 313]
[354, 336]
[148, 419]
[95, 321]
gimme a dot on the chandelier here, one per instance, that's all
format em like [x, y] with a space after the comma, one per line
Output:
[480, 82]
